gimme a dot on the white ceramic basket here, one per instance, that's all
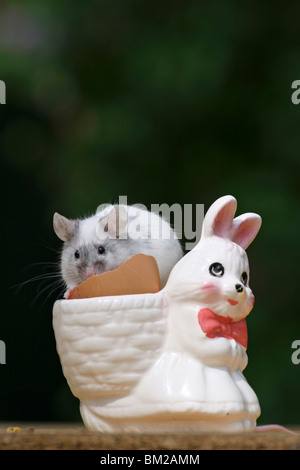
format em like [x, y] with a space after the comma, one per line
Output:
[106, 344]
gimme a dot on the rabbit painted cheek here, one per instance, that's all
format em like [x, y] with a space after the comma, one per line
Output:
[209, 288]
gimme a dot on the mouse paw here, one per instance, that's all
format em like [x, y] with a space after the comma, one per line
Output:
[67, 294]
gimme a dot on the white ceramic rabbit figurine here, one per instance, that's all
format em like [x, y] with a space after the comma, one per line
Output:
[195, 382]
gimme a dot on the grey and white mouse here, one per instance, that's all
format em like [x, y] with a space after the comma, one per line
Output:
[105, 240]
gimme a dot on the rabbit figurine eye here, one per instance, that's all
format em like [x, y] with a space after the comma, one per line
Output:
[244, 278]
[216, 269]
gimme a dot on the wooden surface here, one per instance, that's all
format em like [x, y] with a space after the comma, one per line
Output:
[75, 437]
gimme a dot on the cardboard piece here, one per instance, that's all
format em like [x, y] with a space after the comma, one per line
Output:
[138, 275]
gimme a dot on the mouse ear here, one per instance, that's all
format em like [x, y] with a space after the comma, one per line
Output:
[63, 227]
[117, 222]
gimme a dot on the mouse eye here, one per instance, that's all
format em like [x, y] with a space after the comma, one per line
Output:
[244, 278]
[216, 269]
[101, 250]
[77, 254]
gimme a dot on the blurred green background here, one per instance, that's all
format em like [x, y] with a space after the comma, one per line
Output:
[163, 102]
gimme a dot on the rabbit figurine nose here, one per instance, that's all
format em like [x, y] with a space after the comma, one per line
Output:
[239, 288]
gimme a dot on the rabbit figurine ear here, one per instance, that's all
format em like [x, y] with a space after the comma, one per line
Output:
[219, 217]
[246, 227]
[219, 221]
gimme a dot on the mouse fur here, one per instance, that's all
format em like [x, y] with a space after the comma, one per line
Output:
[103, 241]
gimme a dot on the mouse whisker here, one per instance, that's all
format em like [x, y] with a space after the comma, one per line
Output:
[47, 245]
[45, 264]
[54, 286]
[40, 277]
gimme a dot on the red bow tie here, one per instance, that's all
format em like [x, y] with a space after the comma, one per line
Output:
[215, 325]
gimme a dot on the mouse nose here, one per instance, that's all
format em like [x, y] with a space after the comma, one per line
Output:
[90, 271]
[239, 288]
